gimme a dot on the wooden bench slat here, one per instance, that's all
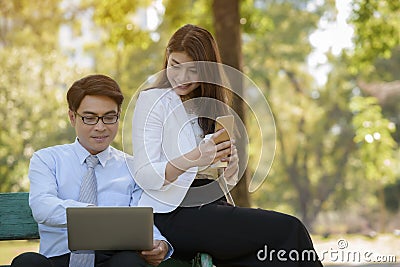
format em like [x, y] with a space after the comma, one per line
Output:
[16, 221]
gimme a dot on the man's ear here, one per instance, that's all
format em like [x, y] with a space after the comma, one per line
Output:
[72, 117]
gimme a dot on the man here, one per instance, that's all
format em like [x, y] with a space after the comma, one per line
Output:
[58, 175]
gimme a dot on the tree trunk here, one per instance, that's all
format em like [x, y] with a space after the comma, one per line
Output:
[227, 28]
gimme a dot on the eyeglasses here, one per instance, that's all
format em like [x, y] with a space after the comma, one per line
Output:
[93, 120]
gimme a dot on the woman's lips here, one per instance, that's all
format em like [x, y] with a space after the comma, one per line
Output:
[183, 86]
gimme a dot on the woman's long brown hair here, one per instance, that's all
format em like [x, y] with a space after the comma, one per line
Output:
[200, 45]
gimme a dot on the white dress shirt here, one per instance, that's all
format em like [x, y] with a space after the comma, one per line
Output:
[55, 175]
[161, 131]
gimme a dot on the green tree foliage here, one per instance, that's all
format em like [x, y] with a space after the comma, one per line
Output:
[33, 111]
[377, 31]
[376, 55]
[314, 146]
[387, 69]
[318, 165]
[33, 79]
[376, 148]
[373, 135]
[121, 45]
[276, 36]
[303, 176]
[375, 63]
[384, 82]
[28, 23]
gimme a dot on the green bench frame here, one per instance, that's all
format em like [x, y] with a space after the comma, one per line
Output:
[17, 223]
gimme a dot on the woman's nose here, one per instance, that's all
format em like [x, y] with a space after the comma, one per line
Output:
[182, 76]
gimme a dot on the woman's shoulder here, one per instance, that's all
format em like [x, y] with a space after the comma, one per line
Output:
[157, 95]
[155, 92]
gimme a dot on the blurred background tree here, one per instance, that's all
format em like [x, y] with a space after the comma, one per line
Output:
[32, 86]
[320, 170]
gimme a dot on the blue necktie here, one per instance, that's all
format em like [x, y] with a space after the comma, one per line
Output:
[87, 194]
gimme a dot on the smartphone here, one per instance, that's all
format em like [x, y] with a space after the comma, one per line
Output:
[227, 123]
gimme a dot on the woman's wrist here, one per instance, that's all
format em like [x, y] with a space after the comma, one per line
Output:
[191, 158]
[183, 163]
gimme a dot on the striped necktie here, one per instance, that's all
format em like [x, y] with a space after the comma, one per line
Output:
[87, 194]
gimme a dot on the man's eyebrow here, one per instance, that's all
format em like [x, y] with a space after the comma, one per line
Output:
[111, 112]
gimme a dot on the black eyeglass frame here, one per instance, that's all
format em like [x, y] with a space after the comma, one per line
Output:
[98, 118]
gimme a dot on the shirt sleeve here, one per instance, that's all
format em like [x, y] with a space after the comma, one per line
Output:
[47, 207]
[158, 236]
[147, 126]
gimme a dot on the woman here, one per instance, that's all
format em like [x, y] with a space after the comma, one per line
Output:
[174, 149]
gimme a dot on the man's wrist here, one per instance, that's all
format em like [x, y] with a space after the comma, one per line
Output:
[167, 247]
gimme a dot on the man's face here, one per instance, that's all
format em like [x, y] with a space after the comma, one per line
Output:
[95, 138]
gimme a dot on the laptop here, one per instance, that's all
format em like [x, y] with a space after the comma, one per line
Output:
[110, 228]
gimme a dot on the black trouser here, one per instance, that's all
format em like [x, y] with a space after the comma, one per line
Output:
[236, 236]
[103, 259]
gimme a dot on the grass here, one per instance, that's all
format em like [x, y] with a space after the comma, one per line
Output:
[10, 249]
[359, 250]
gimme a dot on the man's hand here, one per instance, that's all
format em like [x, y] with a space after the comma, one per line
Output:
[157, 254]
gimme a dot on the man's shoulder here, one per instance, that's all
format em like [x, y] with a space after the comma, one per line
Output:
[62, 151]
[56, 153]
[64, 148]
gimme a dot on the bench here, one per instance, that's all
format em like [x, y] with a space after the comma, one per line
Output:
[17, 223]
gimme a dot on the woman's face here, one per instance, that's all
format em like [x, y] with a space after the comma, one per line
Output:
[183, 77]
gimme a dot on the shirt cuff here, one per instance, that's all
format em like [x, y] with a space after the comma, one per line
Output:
[170, 251]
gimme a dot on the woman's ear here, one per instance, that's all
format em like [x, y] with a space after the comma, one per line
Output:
[72, 117]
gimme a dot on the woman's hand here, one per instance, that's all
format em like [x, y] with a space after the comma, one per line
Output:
[208, 152]
[204, 155]
[231, 172]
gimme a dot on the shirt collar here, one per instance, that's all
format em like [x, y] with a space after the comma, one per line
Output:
[172, 95]
[82, 153]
